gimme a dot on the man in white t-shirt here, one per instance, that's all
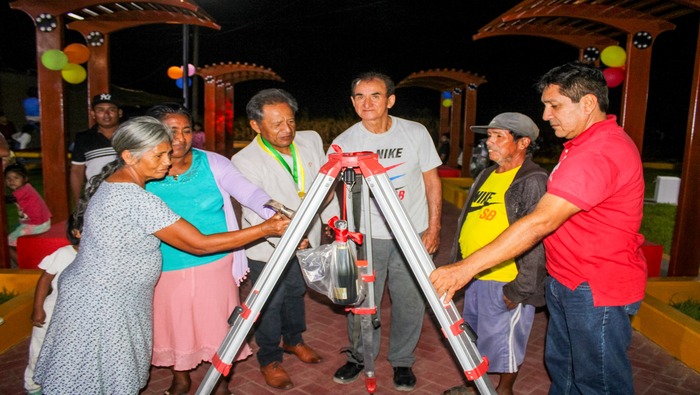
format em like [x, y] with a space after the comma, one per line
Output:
[406, 150]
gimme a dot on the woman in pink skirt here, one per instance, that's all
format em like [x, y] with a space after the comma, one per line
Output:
[196, 294]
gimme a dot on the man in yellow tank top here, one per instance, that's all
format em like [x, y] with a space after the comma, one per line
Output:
[499, 304]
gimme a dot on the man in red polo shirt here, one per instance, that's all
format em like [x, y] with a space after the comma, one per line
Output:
[589, 220]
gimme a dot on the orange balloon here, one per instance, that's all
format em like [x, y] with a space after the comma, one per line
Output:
[77, 53]
[175, 72]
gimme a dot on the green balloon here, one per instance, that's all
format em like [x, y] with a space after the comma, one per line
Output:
[54, 59]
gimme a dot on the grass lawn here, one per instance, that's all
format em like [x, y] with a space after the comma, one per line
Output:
[659, 219]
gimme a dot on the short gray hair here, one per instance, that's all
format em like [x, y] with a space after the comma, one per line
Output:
[254, 108]
[139, 135]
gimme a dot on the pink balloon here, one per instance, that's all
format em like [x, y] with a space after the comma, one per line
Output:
[190, 70]
[614, 76]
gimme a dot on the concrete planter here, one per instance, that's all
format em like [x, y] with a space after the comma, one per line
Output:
[674, 331]
[455, 190]
[17, 312]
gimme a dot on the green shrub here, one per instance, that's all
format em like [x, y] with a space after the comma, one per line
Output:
[6, 295]
[690, 307]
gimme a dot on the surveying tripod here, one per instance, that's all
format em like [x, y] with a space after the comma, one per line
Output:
[457, 332]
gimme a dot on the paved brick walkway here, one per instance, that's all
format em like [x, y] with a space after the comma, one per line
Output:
[655, 371]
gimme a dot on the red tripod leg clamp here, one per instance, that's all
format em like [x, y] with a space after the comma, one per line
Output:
[222, 367]
[246, 311]
[456, 328]
[478, 371]
[362, 310]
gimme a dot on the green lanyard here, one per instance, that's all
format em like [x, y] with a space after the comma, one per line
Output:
[297, 170]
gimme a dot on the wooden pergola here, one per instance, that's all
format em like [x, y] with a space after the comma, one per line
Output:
[95, 20]
[219, 80]
[462, 85]
[593, 25]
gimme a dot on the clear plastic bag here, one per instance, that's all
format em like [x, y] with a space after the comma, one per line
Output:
[331, 270]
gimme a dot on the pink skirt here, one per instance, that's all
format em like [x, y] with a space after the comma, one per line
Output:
[190, 312]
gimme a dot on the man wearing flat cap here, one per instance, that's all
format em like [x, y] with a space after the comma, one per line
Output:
[499, 304]
[93, 148]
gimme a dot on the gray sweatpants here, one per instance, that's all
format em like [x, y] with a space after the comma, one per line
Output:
[407, 307]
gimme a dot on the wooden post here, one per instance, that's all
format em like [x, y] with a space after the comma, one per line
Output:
[229, 136]
[209, 113]
[635, 91]
[455, 128]
[467, 134]
[220, 128]
[685, 256]
[98, 73]
[53, 127]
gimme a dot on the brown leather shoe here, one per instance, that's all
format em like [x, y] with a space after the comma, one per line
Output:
[275, 376]
[303, 352]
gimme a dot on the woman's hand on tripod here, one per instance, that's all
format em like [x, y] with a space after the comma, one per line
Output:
[275, 225]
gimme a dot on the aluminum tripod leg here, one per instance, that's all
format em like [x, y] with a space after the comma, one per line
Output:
[375, 176]
[243, 316]
[458, 334]
[368, 309]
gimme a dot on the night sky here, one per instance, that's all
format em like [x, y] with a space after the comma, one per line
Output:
[319, 46]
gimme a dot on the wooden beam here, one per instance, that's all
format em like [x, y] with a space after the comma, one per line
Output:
[621, 18]
[561, 33]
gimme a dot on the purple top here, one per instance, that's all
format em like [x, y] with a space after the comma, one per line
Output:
[232, 183]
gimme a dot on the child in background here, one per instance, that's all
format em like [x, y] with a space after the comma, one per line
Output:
[34, 214]
[198, 135]
[46, 294]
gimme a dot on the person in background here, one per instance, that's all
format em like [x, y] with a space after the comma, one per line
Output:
[34, 214]
[30, 104]
[100, 336]
[195, 295]
[92, 149]
[589, 220]
[284, 163]
[7, 128]
[499, 304]
[406, 149]
[198, 135]
[444, 148]
[21, 140]
[45, 295]
[6, 155]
